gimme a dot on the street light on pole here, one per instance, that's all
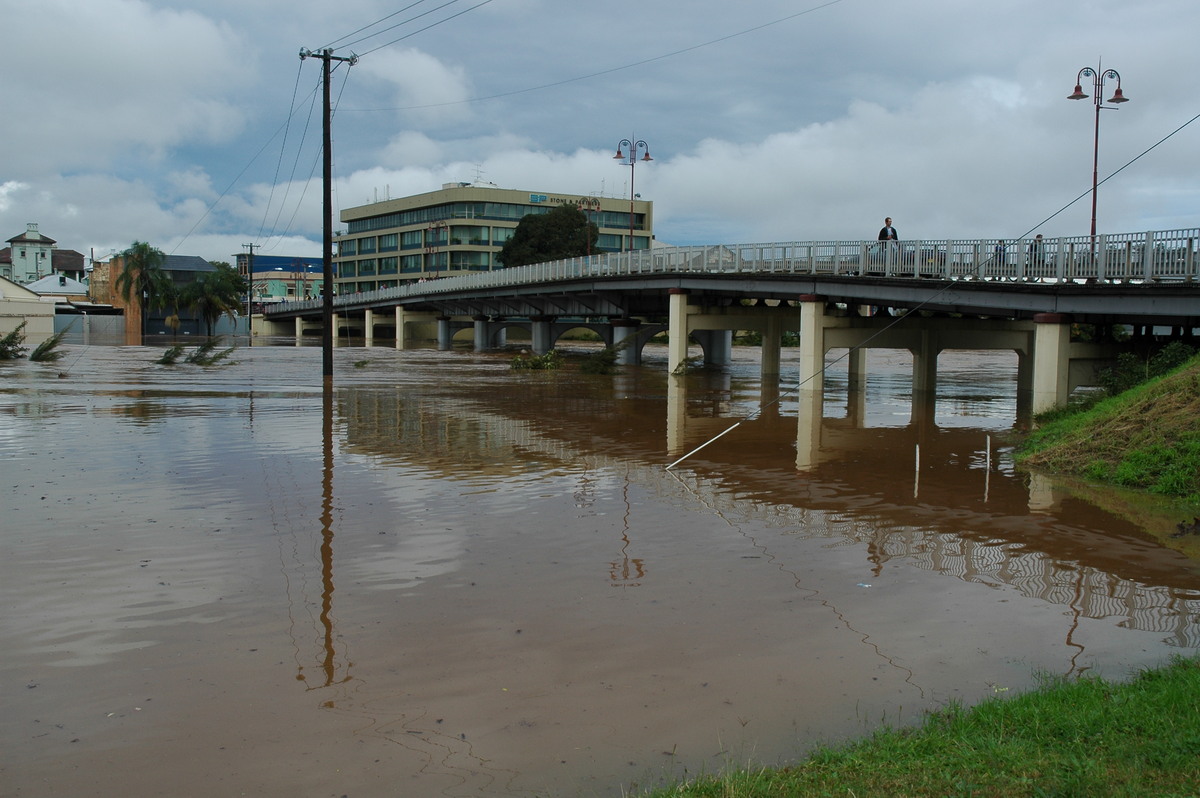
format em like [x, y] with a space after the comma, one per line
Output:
[588, 205]
[1098, 77]
[635, 146]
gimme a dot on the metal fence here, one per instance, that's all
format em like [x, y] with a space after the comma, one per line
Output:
[1154, 256]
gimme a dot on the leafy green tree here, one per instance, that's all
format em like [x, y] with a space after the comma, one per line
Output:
[143, 278]
[214, 294]
[564, 232]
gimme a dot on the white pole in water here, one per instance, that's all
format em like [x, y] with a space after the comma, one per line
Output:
[987, 474]
[917, 471]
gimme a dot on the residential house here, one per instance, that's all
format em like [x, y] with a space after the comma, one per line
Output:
[31, 256]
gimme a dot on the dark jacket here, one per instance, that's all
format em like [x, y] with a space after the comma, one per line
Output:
[889, 234]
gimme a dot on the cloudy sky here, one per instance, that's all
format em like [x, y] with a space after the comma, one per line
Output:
[194, 124]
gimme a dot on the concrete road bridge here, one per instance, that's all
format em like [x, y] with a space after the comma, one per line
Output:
[923, 296]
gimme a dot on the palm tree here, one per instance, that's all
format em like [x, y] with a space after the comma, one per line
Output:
[142, 277]
[214, 294]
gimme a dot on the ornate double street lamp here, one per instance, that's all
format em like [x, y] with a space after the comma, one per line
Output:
[1098, 77]
[635, 146]
[588, 205]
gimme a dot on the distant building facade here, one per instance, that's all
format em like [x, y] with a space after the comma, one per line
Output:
[279, 278]
[461, 229]
[19, 305]
[32, 256]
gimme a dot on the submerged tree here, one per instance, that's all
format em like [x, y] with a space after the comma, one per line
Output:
[143, 279]
[47, 351]
[214, 294]
[10, 344]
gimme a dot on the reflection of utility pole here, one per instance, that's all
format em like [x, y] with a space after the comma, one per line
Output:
[326, 57]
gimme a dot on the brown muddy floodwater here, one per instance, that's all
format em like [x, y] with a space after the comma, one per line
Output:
[453, 579]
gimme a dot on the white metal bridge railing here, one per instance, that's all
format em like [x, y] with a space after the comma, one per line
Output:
[1153, 256]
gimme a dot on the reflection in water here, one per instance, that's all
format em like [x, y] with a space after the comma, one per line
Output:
[939, 527]
[627, 571]
[329, 662]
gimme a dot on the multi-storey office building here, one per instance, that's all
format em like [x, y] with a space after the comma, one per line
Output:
[461, 228]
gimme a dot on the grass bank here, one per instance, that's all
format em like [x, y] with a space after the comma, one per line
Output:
[1146, 438]
[1085, 737]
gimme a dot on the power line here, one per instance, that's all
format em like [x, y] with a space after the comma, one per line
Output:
[427, 27]
[279, 161]
[336, 42]
[608, 71]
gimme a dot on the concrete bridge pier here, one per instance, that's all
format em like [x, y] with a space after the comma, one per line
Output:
[368, 327]
[626, 330]
[445, 334]
[856, 386]
[772, 343]
[812, 343]
[924, 366]
[677, 320]
[541, 333]
[717, 346]
[481, 332]
[488, 334]
[1051, 359]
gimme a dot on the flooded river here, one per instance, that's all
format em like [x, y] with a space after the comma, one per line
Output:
[448, 578]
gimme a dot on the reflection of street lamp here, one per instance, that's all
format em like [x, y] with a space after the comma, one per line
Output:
[631, 160]
[1097, 75]
[588, 205]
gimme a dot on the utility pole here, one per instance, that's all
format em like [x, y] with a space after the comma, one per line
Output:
[327, 57]
[249, 283]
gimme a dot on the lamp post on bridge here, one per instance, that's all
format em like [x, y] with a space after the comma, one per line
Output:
[1098, 76]
[630, 160]
[589, 205]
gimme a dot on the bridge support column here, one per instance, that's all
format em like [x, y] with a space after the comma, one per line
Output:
[856, 386]
[368, 327]
[445, 335]
[299, 328]
[1024, 383]
[1051, 360]
[541, 334]
[336, 325]
[624, 331]
[772, 341]
[398, 314]
[717, 346]
[812, 343]
[677, 328]
[481, 332]
[924, 373]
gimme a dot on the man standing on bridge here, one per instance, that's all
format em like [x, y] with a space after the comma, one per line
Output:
[888, 233]
[888, 241]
